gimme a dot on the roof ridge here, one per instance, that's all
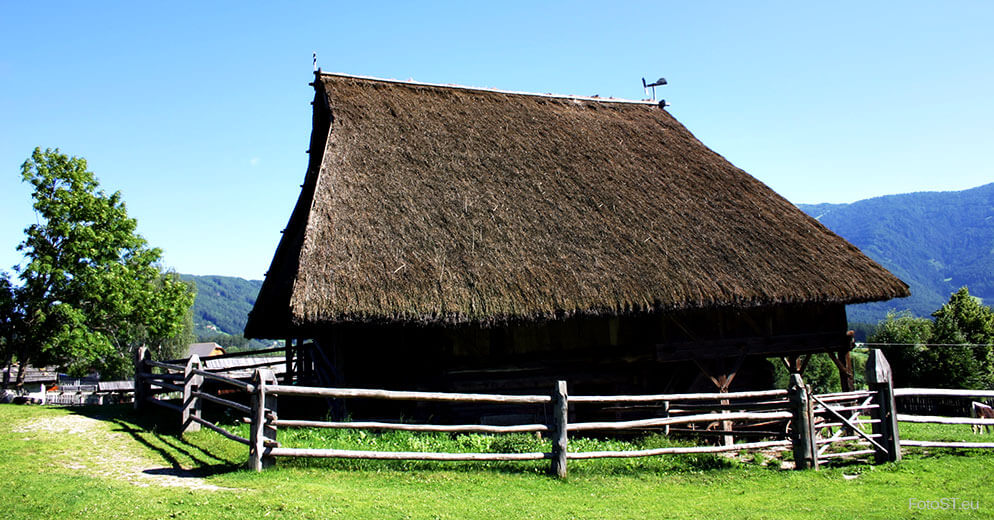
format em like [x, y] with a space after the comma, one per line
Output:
[320, 72]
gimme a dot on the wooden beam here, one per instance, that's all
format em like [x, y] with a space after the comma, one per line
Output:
[735, 369]
[704, 370]
[769, 346]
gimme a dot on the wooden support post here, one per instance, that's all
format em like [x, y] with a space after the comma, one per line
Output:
[666, 414]
[142, 387]
[304, 364]
[560, 415]
[803, 430]
[724, 381]
[879, 378]
[847, 379]
[191, 403]
[288, 374]
[843, 361]
[263, 432]
[726, 426]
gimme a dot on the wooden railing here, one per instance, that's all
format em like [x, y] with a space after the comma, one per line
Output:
[935, 419]
[770, 406]
[807, 415]
[558, 428]
[186, 380]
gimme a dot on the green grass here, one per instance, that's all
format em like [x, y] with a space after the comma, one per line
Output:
[52, 474]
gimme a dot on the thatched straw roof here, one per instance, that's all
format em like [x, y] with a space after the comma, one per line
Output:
[427, 203]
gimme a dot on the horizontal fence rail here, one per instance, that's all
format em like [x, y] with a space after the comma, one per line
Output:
[455, 428]
[936, 419]
[942, 392]
[947, 444]
[243, 353]
[227, 380]
[713, 396]
[404, 455]
[674, 450]
[706, 417]
[404, 395]
[223, 402]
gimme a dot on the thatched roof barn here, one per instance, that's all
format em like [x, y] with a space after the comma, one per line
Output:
[441, 208]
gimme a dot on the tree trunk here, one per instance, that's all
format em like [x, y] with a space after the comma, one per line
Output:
[6, 373]
[21, 369]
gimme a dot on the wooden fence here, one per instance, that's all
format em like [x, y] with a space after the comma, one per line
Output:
[185, 380]
[937, 393]
[840, 418]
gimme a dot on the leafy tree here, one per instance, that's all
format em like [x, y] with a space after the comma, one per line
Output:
[965, 321]
[821, 374]
[908, 336]
[8, 318]
[953, 351]
[92, 290]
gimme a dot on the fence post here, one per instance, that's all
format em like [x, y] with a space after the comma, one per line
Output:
[560, 415]
[803, 434]
[666, 414]
[263, 434]
[191, 403]
[880, 379]
[142, 388]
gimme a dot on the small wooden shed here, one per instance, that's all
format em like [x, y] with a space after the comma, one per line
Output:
[456, 238]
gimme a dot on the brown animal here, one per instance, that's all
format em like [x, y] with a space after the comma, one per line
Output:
[982, 411]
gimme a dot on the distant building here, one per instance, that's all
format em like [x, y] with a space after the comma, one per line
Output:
[205, 349]
[47, 376]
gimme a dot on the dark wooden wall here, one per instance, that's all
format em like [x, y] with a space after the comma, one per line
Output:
[658, 352]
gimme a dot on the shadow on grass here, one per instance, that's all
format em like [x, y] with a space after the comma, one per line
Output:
[167, 442]
[844, 463]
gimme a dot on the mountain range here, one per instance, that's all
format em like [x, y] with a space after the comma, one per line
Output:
[936, 242]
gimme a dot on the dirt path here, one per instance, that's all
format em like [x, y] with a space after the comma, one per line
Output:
[110, 454]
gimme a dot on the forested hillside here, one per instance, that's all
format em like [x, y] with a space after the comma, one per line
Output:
[222, 307]
[936, 242]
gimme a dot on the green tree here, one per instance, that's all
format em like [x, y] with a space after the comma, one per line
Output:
[956, 350]
[820, 373]
[907, 337]
[8, 318]
[964, 337]
[92, 289]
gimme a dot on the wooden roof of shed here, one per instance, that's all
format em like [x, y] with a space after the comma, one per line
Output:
[429, 203]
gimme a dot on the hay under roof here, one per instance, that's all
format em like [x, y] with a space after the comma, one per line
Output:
[427, 203]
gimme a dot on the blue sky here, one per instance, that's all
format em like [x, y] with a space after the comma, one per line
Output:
[199, 112]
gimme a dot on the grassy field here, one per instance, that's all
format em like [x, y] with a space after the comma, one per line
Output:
[108, 463]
